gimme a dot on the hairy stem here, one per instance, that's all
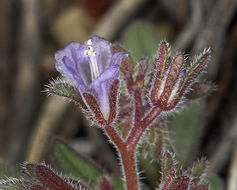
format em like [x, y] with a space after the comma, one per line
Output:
[139, 111]
[127, 148]
[140, 127]
[127, 158]
[129, 168]
[114, 136]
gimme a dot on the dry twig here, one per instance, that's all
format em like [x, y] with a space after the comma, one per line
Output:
[224, 149]
[187, 35]
[117, 16]
[232, 180]
[214, 32]
[46, 124]
[26, 82]
[5, 41]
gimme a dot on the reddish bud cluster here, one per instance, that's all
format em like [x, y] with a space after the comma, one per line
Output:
[174, 179]
[173, 79]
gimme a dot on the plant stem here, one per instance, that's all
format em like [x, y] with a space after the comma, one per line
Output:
[139, 111]
[140, 128]
[114, 136]
[129, 168]
[127, 148]
[127, 158]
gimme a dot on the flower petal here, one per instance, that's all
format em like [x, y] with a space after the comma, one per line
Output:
[92, 67]
[102, 48]
[110, 73]
[72, 62]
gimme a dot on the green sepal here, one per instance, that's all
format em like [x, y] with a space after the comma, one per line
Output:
[199, 167]
[62, 88]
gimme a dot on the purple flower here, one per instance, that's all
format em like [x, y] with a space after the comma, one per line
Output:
[92, 67]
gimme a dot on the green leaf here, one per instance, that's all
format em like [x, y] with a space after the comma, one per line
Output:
[73, 164]
[187, 130]
[214, 182]
[10, 187]
[118, 183]
[141, 40]
[150, 168]
[8, 171]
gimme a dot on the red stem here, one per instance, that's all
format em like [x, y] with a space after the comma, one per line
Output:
[114, 136]
[138, 105]
[127, 158]
[127, 148]
[140, 128]
[129, 168]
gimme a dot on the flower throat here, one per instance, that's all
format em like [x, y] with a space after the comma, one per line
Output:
[93, 62]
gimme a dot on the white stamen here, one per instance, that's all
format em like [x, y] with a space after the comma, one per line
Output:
[89, 42]
[90, 48]
[93, 62]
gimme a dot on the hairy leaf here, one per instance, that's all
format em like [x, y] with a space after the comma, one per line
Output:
[142, 40]
[73, 164]
[61, 88]
[187, 130]
[7, 170]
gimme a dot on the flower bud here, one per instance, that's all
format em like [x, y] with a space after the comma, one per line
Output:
[173, 79]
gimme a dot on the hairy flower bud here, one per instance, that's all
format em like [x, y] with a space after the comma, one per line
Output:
[173, 78]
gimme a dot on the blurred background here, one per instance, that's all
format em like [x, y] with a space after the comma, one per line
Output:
[32, 30]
